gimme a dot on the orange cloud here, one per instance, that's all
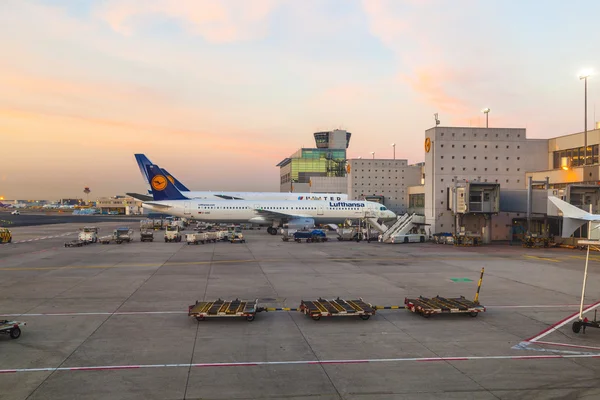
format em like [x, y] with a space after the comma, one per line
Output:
[216, 21]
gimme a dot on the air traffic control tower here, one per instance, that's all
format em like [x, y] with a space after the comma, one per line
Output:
[328, 159]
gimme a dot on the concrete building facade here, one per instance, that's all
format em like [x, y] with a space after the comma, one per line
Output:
[488, 155]
[385, 179]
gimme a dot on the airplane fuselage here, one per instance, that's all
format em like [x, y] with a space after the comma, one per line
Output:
[266, 212]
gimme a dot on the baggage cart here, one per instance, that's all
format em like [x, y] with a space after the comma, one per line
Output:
[147, 235]
[223, 309]
[337, 308]
[446, 305]
[195, 238]
[11, 328]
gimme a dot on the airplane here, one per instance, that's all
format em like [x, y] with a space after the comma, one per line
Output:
[291, 214]
[143, 162]
[2, 205]
[573, 217]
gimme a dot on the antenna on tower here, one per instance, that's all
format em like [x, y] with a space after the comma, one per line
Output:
[437, 121]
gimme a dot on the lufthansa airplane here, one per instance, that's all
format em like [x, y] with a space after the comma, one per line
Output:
[573, 217]
[293, 214]
[143, 162]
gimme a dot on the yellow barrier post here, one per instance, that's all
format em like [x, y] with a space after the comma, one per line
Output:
[476, 300]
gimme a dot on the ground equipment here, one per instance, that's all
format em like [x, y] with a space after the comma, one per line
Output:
[172, 234]
[147, 235]
[237, 237]
[336, 308]
[195, 238]
[88, 234]
[535, 241]
[222, 308]
[11, 328]
[5, 235]
[316, 235]
[75, 243]
[120, 235]
[440, 305]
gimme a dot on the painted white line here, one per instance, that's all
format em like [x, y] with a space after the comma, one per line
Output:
[301, 362]
[566, 345]
[560, 323]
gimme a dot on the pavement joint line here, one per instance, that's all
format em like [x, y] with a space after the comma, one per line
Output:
[302, 362]
[92, 313]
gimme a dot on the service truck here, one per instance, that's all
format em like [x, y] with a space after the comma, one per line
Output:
[172, 234]
[88, 234]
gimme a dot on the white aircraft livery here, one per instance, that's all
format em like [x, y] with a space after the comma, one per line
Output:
[144, 162]
[573, 217]
[293, 214]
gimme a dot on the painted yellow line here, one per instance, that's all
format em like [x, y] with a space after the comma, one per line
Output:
[541, 258]
[583, 258]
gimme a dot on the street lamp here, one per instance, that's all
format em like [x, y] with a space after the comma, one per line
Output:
[583, 76]
[373, 154]
[394, 146]
[486, 111]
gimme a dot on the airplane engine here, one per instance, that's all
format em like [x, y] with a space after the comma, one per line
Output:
[300, 224]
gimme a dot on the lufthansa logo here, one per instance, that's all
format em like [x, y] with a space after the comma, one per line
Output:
[427, 145]
[170, 178]
[159, 183]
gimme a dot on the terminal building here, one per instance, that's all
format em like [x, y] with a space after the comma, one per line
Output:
[474, 181]
[119, 205]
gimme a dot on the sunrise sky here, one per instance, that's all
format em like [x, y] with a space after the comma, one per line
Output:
[218, 92]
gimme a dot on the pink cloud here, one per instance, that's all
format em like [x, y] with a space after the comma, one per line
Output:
[216, 21]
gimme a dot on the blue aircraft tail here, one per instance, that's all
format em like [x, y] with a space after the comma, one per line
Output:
[180, 186]
[162, 187]
[143, 162]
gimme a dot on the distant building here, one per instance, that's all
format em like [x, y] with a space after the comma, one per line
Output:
[327, 160]
[119, 204]
[383, 180]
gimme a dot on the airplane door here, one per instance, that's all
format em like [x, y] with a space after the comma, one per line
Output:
[186, 207]
[320, 210]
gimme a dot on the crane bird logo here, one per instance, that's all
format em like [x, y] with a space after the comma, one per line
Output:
[159, 183]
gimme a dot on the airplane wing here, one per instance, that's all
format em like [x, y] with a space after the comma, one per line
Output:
[226, 197]
[573, 217]
[141, 197]
[280, 214]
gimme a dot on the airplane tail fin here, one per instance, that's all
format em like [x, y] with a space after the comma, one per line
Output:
[573, 217]
[144, 162]
[180, 186]
[162, 187]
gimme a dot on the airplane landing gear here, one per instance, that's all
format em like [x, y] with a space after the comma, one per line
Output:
[271, 230]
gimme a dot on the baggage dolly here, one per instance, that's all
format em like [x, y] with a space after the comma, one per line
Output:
[337, 308]
[440, 305]
[222, 308]
[11, 328]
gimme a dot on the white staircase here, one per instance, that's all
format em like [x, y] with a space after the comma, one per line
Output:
[402, 226]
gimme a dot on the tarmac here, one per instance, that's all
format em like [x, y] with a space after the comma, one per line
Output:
[110, 321]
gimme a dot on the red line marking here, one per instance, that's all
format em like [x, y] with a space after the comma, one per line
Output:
[8, 371]
[567, 345]
[558, 323]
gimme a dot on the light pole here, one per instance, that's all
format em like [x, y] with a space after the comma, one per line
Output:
[583, 76]
[486, 111]
[373, 154]
[394, 147]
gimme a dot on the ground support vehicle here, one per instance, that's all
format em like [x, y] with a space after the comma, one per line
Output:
[146, 224]
[237, 237]
[11, 328]
[408, 238]
[349, 234]
[287, 234]
[213, 236]
[195, 238]
[467, 240]
[223, 309]
[316, 235]
[443, 238]
[105, 239]
[123, 234]
[222, 235]
[336, 308]
[88, 234]
[172, 234]
[5, 235]
[147, 235]
[536, 241]
[440, 305]
[584, 323]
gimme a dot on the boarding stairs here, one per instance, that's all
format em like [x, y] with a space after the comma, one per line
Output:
[402, 226]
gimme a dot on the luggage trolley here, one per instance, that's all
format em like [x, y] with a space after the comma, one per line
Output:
[11, 328]
[441, 305]
[222, 308]
[336, 308]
